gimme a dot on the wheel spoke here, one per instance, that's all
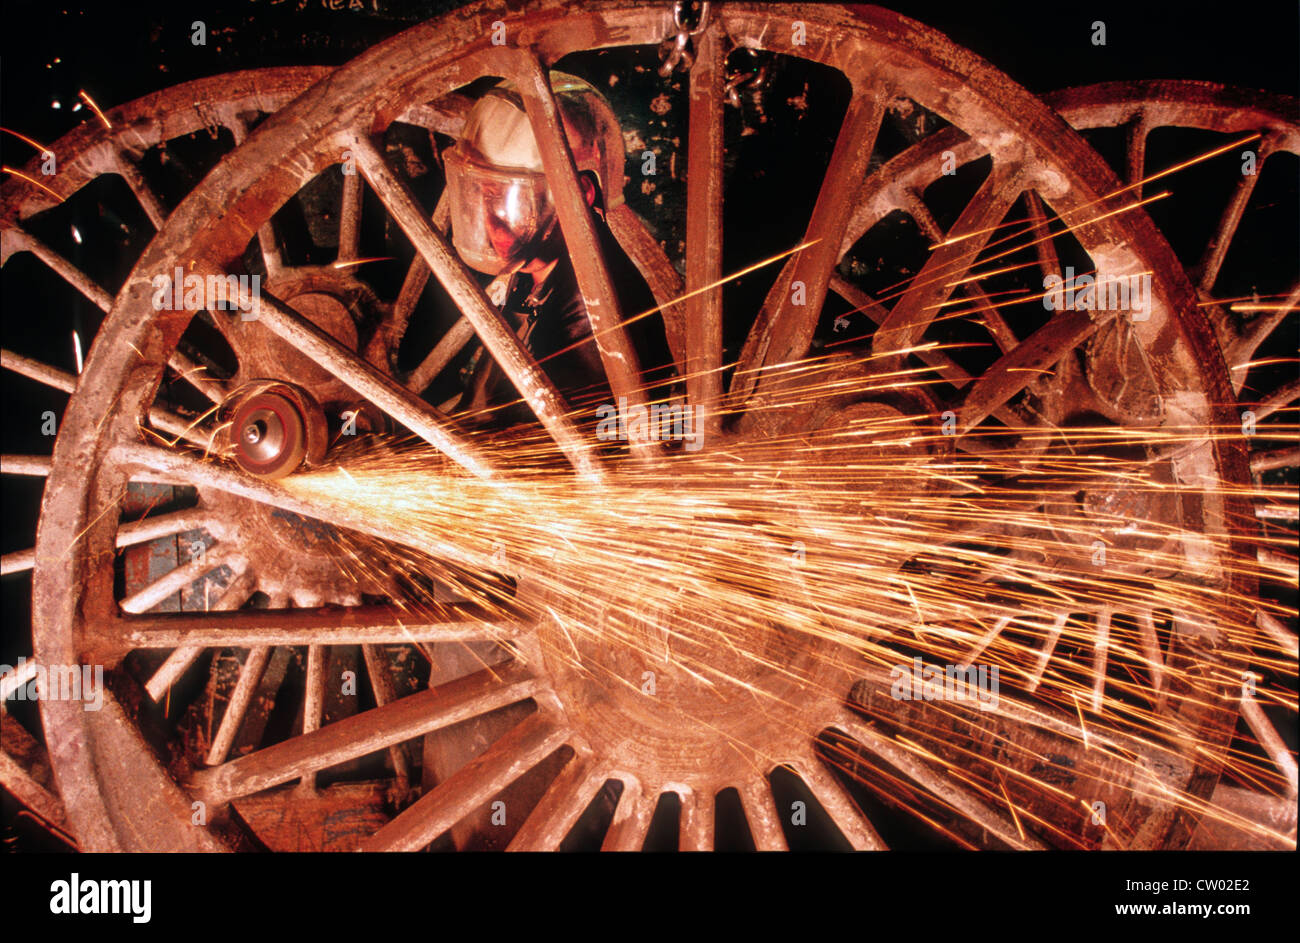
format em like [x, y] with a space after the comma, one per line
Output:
[385, 693]
[1283, 565]
[949, 261]
[703, 364]
[497, 336]
[1032, 716]
[1285, 638]
[697, 822]
[941, 787]
[366, 733]
[272, 258]
[1135, 152]
[1151, 650]
[350, 217]
[250, 676]
[17, 561]
[632, 816]
[360, 625]
[62, 267]
[149, 201]
[368, 381]
[177, 579]
[665, 284]
[1277, 458]
[413, 285]
[313, 707]
[761, 813]
[196, 376]
[1045, 653]
[446, 115]
[1100, 649]
[560, 807]
[97, 296]
[1243, 349]
[1269, 739]
[622, 365]
[1216, 250]
[40, 372]
[1048, 262]
[1283, 396]
[1014, 371]
[516, 753]
[839, 805]
[35, 466]
[164, 525]
[1002, 335]
[985, 641]
[43, 373]
[147, 462]
[451, 344]
[788, 319]
[943, 365]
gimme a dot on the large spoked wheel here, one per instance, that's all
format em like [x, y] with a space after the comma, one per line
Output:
[74, 217]
[1248, 297]
[802, 701]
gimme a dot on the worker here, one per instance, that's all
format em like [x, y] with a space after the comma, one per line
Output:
[504, 224]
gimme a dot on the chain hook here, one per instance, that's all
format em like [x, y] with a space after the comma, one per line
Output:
[677, 51]
[753, 81]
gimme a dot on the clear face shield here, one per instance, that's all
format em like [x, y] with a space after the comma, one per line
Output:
[497, 215]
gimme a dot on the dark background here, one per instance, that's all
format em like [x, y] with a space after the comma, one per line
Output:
[119, 51]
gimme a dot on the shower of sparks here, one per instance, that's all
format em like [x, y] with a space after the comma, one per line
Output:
[1123, 596]
[789, 562]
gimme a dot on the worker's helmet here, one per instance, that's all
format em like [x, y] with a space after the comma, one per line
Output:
[501, 206]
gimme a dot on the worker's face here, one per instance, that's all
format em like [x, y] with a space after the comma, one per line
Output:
[497, 216]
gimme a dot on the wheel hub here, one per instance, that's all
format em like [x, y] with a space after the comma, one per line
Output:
[680, 690]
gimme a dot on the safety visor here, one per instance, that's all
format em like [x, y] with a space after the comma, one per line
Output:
[495, 213]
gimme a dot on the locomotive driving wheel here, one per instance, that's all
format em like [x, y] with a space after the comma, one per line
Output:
[792, 673]
[74, 217]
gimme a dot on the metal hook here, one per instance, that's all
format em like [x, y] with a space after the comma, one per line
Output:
[676, 51]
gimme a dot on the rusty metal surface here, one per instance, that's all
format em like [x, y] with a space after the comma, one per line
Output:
[87, 152]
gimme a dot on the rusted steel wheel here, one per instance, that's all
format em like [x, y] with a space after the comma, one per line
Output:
[599, 733]
[150, 149]
[1264, 127]
[128, 146]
